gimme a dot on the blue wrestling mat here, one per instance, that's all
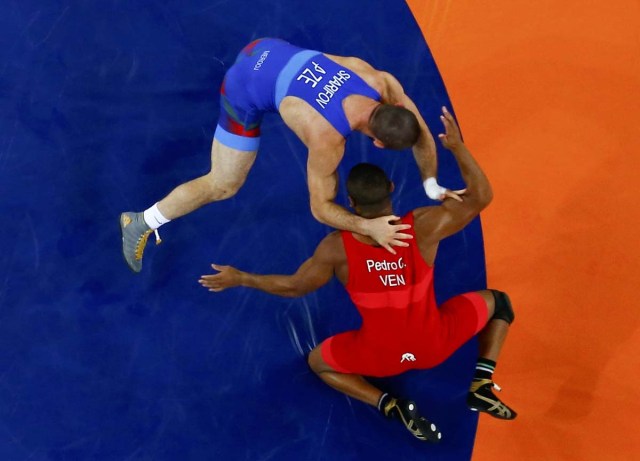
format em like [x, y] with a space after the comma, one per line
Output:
[105, 107]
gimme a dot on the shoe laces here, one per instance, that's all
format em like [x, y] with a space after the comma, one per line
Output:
[142, 242]
[478, 383]
[390, 406]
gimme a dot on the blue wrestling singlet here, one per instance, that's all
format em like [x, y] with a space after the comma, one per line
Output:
[265, 72]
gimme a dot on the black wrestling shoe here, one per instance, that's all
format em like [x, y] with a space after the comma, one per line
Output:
[481, 398]
[407, 412]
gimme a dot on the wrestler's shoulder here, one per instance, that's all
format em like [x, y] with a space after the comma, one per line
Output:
[331, 247]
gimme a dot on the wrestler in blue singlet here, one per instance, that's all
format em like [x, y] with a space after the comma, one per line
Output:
[265, 72]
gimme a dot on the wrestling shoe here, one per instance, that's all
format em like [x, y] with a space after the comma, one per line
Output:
[135, 233]
[407, 412]
[481, 398]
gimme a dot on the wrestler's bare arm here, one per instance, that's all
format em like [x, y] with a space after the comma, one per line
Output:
[326, 149]
[311, 275]
[424, 151]
[433, 224]
[323, 184]
[322, 179]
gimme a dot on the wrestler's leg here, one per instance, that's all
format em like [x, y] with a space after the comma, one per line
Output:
[491, 338]
[233, 153]
[233, 150]
[229, 169]
[353, 385]
[359, 388]
[490, 341]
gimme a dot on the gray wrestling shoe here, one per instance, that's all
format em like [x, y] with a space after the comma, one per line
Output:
[135, 233]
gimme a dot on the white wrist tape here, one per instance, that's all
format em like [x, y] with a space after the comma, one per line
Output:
[433, 189]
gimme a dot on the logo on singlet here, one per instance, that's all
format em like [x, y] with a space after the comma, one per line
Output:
[408, 356]
[263, 58]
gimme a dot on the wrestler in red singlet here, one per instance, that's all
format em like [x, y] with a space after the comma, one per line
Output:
[402, 327]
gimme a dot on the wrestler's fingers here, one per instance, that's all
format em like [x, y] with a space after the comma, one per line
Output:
[447, 114]
[402, 236]
[209, 282]
[391, 218]
[389, 248]
[401, 227]
[451, 195]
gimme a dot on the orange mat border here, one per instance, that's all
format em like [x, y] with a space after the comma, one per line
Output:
[548, 96]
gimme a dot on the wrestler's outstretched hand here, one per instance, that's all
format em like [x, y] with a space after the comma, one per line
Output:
[451, 139]
[227, 277]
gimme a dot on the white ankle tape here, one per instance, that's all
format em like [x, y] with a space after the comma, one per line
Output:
[154, 218]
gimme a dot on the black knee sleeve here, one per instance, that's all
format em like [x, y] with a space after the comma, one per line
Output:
[503, 309]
